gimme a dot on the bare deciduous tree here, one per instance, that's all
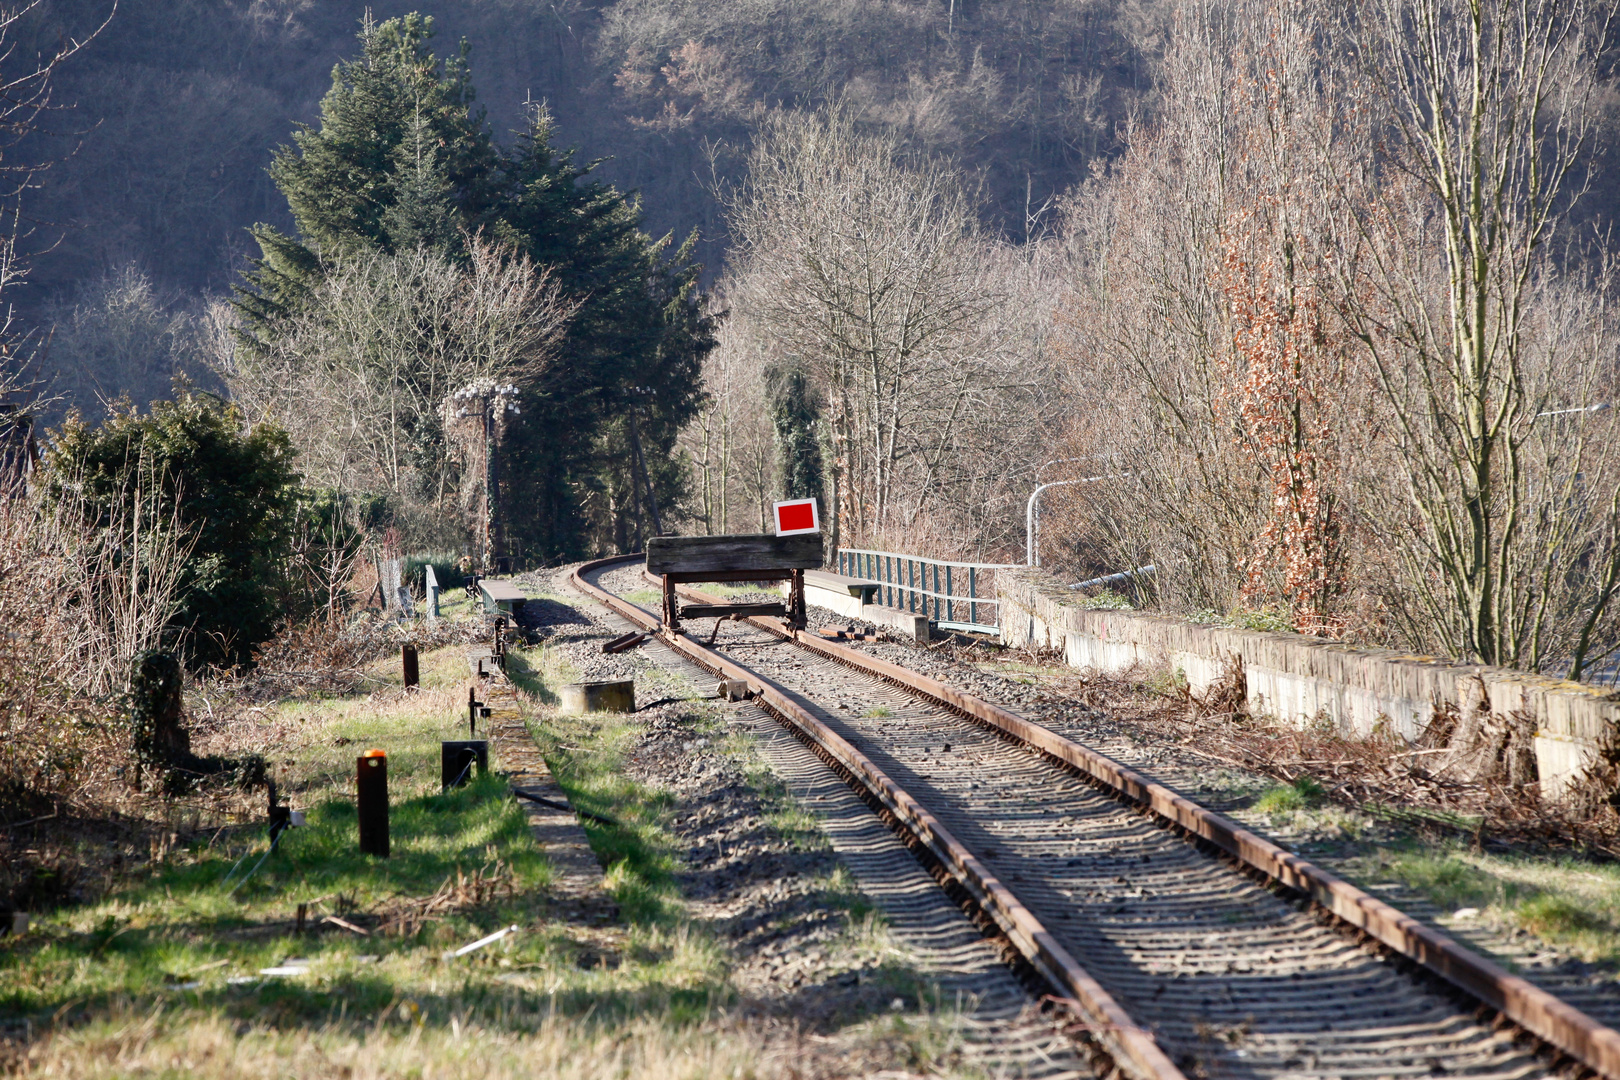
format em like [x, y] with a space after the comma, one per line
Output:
[730, 441]
[121, 339]
[871, 270]
[1194, 329]
[1328, 360]
[1488, 106]
[360, 376]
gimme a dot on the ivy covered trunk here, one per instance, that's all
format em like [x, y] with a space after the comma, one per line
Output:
[157, 714]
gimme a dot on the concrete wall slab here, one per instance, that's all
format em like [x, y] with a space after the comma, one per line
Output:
[1303, 680]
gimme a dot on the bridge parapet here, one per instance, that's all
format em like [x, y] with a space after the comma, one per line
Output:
[1297, 679]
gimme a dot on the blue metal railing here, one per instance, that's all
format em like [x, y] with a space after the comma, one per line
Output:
[904, 582]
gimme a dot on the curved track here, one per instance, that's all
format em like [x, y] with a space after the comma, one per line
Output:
[1178, 961]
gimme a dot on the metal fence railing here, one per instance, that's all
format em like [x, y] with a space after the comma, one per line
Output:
[932, 587]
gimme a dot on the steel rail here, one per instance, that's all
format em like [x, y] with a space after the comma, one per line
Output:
[1535, 1010]
[1133, 1049]
[1519, 1000]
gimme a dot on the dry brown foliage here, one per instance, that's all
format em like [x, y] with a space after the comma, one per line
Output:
[1425, 784]
[79, 601]
[405, 915]
[318, 658]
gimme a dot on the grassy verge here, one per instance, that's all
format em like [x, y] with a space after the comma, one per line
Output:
[162, 975]
[1568, 903]
[587, 754]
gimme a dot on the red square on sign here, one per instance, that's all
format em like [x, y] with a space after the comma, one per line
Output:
[797, 516]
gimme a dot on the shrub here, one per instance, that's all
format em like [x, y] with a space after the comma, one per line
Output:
[231, 488]
[77, 602]
[444, 570]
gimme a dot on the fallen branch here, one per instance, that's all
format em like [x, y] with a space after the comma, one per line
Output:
[479, 944]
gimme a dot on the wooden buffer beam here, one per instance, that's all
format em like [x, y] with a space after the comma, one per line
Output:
[684, 560]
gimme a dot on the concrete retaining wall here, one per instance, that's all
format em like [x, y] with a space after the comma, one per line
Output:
[1298, 679]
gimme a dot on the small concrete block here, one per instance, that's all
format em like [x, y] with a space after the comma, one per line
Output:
[732, 690]
[614, 695]
[910, 625]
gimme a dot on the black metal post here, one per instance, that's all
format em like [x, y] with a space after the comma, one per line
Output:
[457, 758]
[371, 792]
[409, 662]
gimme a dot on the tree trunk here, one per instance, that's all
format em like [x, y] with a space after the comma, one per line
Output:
[157, 713]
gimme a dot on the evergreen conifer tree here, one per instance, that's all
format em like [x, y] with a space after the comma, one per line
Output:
[402, 158]
[795, 416]
[423, 213]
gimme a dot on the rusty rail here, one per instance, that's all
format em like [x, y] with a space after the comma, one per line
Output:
[1133, 1049]
[1532, 1008]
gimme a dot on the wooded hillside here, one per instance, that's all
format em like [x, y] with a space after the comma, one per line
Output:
[181, 103]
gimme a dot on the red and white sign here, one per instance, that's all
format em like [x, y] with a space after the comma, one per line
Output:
[797, 516]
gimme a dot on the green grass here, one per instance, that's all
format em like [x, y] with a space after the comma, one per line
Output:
[1569, 903]
[137, 951]
[743, 590]
[879, 712]
[185, 918]
[586, 755]
[455, 605]
[1167, 681]
[190, 917]
[1303, 794]
[159, 976]
[1266, 620]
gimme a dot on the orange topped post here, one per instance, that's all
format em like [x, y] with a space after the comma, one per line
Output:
[371, 783]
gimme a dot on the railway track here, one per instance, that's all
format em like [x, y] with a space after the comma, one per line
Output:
[1186, 946]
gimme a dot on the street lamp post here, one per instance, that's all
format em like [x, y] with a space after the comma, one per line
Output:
[1032, 509]
[1032, 516]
